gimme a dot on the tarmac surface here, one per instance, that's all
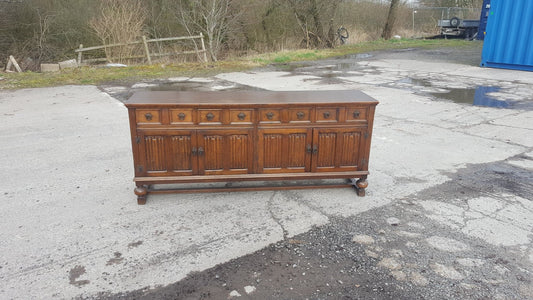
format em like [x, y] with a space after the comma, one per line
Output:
[448, 211]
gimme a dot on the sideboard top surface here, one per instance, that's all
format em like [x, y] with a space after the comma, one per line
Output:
[169, 98]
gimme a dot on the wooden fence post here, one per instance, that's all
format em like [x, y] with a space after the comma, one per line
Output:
[203, 47]
[147, 50]
[12, 62]
[9, 65]
[79, 55]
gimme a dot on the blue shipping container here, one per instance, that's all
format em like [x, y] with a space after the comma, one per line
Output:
[483, 20]
[509, 38]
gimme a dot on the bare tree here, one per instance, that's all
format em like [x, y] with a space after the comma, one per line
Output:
[211, 17]
[42, 33]
[391, 19]
[313, 16]
[119, 21]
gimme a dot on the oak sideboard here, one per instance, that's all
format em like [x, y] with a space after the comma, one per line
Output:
[191, 138]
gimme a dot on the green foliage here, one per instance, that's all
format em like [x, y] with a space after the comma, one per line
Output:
[282, 59]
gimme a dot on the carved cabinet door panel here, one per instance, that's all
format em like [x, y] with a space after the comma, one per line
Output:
[225, 152]
[284, 150]
[336, 150]
[165, 153]
[152, 154]
[182, 152]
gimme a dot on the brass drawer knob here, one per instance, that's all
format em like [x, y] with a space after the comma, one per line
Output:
[241, 116]
[270, 115]
[148, 116]
[300, 115]
[210, 116]
[356, 114]
[181, 116]
[326, 115]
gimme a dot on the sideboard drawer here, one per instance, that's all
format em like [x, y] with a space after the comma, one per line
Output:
[148, 116]
[354, 114]
[181, 116]
[327, 114]
[241, 116]
[269, 115]
[300, 115]
[210, 116]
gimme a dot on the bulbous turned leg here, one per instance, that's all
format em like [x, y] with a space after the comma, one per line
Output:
[141, 191]
[361, 185]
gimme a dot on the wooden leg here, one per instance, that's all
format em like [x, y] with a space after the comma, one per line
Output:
[141, 191]
[361, 185]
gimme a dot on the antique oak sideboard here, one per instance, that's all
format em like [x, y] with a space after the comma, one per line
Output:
[200, 137]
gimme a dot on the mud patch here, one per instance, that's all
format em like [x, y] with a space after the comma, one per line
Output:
[135, 244]
[76, 273]
[115, 260]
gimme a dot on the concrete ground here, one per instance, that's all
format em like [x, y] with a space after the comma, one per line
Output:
[70, 225]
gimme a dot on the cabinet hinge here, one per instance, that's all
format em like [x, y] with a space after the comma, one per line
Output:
[139, 168]
[363, 162]
[137, 140]
[366, 135]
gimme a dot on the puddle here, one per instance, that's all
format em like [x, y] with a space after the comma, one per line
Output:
[414, 81]
[289, 67]
[476, 96]
[124, 93]
[182, 86]
[201, 86]
[343, 64]
[358, 56]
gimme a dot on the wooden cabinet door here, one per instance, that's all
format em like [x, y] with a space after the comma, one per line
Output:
[164, 153]
[336, 150]
[283, 150]
[152, 154]
[225, 152]
[182, 153]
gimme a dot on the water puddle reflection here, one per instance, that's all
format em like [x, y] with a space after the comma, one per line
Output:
[217, 85]
[477, 96]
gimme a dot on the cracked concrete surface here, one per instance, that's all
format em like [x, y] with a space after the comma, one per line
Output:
[70, 225]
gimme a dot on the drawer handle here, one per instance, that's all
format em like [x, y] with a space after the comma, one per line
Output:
[181, 116]
[300, 115]
[241, 116]
[315, 149]
[201, 151]
[326, 115]
[210, 116]
[356, 114]
[308, 148]
[270, 115]
[194, 151]
[148, 116]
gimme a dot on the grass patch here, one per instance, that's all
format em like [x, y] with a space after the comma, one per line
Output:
[100, 75]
